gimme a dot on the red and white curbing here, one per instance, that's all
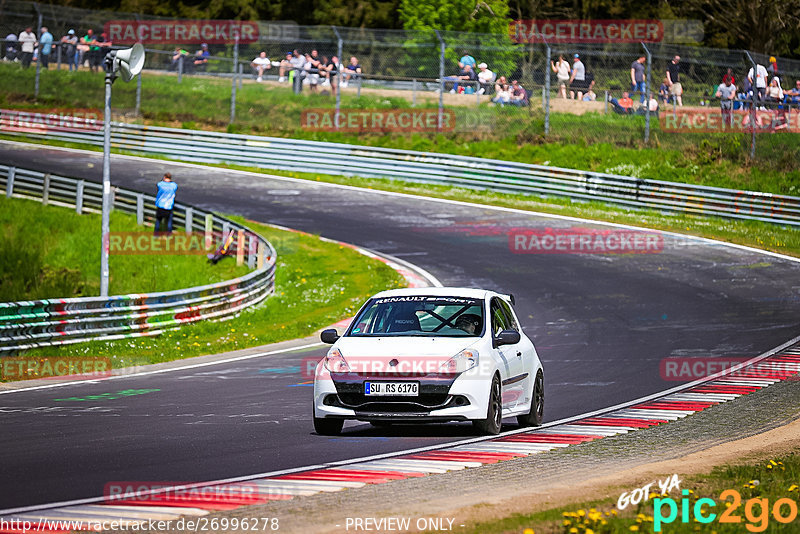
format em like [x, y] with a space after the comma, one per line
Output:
[696, 397]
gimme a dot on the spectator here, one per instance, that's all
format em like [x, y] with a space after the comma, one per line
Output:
[637, 78]
[92, 50]
[663, 91]
[674, 79]
[590, 95]
[485, 78]
[27, 41]
[794, 93]
[311, 69]
[652, 103]
[82, 52]
[323, 71]
[519, 96]
[285, 67]
[577, 82]
[11, 49]
[466, 74]
[69, 47]
[165, 201]
[624, 105]
[502, 92]
[562, 71]
[774, 93]
[260, 64]
[45, 46]
[332, 69]
[465, 60]
[773, 66]
[726, 93]
[351, 71]
[178, 57]
[298, 61]
[760, 83]
[730, 75]
[200, 60]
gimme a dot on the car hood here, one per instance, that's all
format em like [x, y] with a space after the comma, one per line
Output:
[386, 348]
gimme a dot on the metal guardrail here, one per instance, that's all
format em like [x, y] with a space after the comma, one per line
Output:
[431, 168]
[30, 324]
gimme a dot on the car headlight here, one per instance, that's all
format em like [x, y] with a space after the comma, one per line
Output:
[463, 361]
[335, 362]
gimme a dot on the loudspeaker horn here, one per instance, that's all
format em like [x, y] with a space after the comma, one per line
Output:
[129, 62]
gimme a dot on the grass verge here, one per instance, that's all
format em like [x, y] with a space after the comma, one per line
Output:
[52, 252]
[755, 494]
[592, 141]
[317, 283]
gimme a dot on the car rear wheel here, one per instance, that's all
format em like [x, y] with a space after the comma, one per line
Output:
[536, 414]
[494, 412]
[327, 427]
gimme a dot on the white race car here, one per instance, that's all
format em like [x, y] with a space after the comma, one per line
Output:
[430, 354]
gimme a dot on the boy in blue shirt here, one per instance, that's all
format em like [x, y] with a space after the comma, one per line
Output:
[165, 201]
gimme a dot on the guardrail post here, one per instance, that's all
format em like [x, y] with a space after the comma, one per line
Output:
[753, 109]
[442, 47]
[339, 91]
[547, 88]
[79, 197]
[647, 95]
[12, 171]
[262, 254]
[240, 247]
[46, 189]
[414, 93]
[138, 94]
[140, 209]
[188, 217]
[252, 248]
[180, 68]
[209, 238]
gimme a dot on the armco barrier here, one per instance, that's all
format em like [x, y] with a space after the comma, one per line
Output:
[30, 324]
[426, 167]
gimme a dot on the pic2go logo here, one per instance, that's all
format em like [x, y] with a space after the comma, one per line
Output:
[756, 511]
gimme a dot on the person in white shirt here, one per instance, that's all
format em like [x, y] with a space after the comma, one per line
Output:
[760, 84]
[485, 78]
[260, 64]
[27, 40]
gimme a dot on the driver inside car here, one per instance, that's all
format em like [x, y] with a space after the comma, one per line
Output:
[469, 323]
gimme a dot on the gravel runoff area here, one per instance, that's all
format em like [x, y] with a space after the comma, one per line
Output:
[758, 425]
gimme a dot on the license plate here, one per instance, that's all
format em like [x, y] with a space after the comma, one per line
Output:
[383, 389]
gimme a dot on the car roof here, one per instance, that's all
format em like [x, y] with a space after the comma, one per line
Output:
[441, 292]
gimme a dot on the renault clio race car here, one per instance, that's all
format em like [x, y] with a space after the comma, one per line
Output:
[430, 354]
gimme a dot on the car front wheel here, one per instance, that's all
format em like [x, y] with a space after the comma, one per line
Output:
[327, 427]
[494, 412]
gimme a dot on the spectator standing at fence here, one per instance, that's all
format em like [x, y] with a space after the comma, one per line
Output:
[674, 80]
[332, 69]
[577, 82]
[260, 64]
[312, 69]
[45, 47]
[638, 77]
[465, 60]
[773, 67]
[759, 84]
[165, 201]
[351, 71]
[11, 49]
[485, 78]
[562, 71]
[663, 91]
[200, 61]
[726, 92]
[27, 42]
[69, 46]
[297, 62]
[91, 49]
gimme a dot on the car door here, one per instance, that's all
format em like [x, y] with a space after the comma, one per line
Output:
[519, 362]
[506, 354]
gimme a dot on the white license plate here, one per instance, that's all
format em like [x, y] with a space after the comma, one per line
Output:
[383, 389]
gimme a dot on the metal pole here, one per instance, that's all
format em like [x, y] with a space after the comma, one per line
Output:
[753, 107]
[39, 61]
[180, 68]
[104, 272]
[414, 93]
[339, 43]
[647, 95]
[233, 81]
[441, 79]
[138, 94]
[547, 88]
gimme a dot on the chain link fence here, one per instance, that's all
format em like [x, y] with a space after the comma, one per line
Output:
[421, 69]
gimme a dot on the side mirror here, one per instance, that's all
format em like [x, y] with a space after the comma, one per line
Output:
[331, 335]
[507, 337]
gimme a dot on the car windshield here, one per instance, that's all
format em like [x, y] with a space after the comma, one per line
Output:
[420, 316]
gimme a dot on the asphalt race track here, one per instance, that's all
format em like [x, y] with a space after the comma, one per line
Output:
[602, 323]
